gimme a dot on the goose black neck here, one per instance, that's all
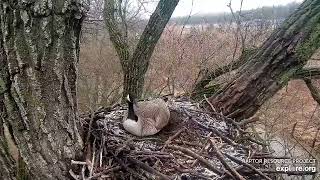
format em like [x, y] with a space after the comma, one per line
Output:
[131, 114]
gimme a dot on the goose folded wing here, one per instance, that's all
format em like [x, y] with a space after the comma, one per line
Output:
[146, 109]
[148, 127]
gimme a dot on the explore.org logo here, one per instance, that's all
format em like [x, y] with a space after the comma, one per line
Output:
[294, 166]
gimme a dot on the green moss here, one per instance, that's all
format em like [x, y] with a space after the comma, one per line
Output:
[308, 48]
[208, 91]
[287, 76]
[247, 52]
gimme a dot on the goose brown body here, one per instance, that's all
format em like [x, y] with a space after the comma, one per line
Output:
[151, 117]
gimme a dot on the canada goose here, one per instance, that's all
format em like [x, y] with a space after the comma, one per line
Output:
[146, 117]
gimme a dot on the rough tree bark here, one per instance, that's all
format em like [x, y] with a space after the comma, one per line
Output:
[136, 65]
[283, 54]
[7, 163]
[39, 52]
[200, 87]
[313, 90]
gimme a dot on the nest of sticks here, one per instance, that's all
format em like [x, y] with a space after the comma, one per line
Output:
[196, 144]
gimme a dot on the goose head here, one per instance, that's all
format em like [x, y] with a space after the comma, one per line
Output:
[131, 114]
[131, 123]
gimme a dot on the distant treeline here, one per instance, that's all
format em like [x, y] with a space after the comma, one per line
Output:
[264, 13]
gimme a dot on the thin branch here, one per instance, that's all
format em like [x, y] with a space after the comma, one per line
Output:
[171, 138]
[202, 149]
[105, 171]
[148, 168]
[223, 137]
[196, 156]
[219, 155]
[238, 161]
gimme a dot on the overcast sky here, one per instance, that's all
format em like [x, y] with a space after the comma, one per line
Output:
[218, 6]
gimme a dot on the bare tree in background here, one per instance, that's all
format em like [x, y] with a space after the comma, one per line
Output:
[135, 65]
[281, 58]
[39, 52]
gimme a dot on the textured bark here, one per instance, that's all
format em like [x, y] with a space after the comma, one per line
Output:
[284, 53]
[200, 88]
[38, 82]
[136, 65]
[7, 163]
[307, 73]
[313, 90]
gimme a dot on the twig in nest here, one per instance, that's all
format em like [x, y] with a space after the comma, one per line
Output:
[78, 162]
[212, 107]
[146, 156]
[73, 175]
[253, 140]
[82, 172]
[225, 118]
[234, 173]
[93, 158]
[125, 166]
[101, 150]
[223, 137]
[172, 138]
[89, 128]
[196, 156]
[238, 161]
[106, 171]
[248, 121]
[124, 145]
[191, 172]
[169, 141]
[187, 143]
[148, 168]
[149, 152]
[202, 149]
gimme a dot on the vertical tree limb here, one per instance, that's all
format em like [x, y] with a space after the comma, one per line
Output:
[135, 67]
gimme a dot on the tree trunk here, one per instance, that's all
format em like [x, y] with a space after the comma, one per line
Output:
[284, 53]
[313, 90]
[7, 163]
[38, 71]
[135, 67]
[200, 89]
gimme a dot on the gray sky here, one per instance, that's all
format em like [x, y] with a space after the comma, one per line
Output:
[218, 6]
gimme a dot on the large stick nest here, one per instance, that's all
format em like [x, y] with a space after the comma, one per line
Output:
[194, 145]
